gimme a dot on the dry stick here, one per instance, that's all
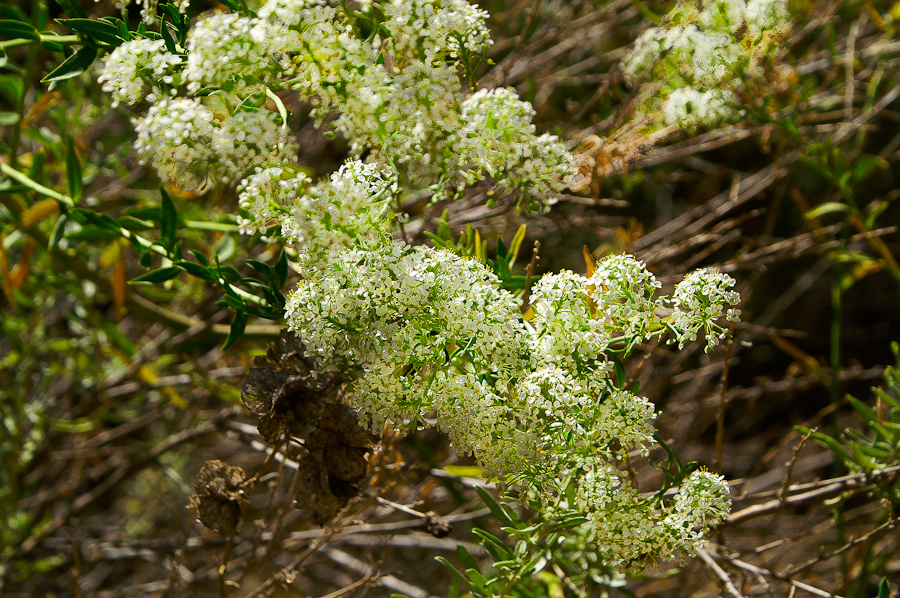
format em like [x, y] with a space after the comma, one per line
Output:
[826, 489]
[794, 583]
[76, 566]
[720, 416]
[120, 474]
[798, 568]
[388, 581]
[719, 572]
[782, 494]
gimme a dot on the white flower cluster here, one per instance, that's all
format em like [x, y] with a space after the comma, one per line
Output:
[267, 195]
[140, 70]
[421, 330]
[395, 92]
[222, 48]
[351, 211]
[700, 301]
[498, 133]
[428, 30]
[185, 143]
[704, 54]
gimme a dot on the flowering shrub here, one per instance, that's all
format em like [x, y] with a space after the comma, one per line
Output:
[698, 59]
[419, 330]
[527, 377]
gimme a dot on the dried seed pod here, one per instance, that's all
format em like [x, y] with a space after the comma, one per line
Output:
[219, 496]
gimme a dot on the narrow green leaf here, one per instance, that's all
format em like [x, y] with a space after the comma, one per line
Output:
[73, 170]
[884, 591]
[828, 207]
[158, 275]
[865, 164]
[72, 8]
[237, 329]
[59, 230]
[198, 271]
[493, 544]
[516, 245]
[863, 409]
[167, 37]
[501, 249]
[93, 234]
[18, 30]
[466, 557]
[13, 13]
[281, 269]
[455, 573]
[168, 220]
[230, 274]
[121, 27]
[96, 29]
[145, 260]
[495, 507]
[8, 119]
[200, 257]
[150, 212]
[134, 224]
[73, 66]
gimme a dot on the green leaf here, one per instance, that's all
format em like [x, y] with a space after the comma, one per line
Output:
[501, 249]
[150, 212]
[8, 119]
[134, 224]
[281, 269]
[167, 37]
[18, 30]
[13, 13]
[884, 591]
[158, 275]
[829, 207]
[73, 170]
[865, 164]
[73, 66]
[198, 271]
[495, 507]
[237, 329]
[493, 545]
[96, 29]
[456, 574]
[168, 220]
[72, 8]
[58, 230]
[466, 557]
[863, 409]
[121, 27]
[516, 244]
[200, 257]
[93, 234]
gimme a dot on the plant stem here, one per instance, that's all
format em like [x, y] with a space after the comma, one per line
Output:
[65, 40]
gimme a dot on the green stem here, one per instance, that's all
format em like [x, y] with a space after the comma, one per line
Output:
[65, 40]
[220, 227]
[142, 243]
[23, 179]
[135, 302]
[26, 77]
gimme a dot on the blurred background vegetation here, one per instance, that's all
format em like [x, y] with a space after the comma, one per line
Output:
[113, 396]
